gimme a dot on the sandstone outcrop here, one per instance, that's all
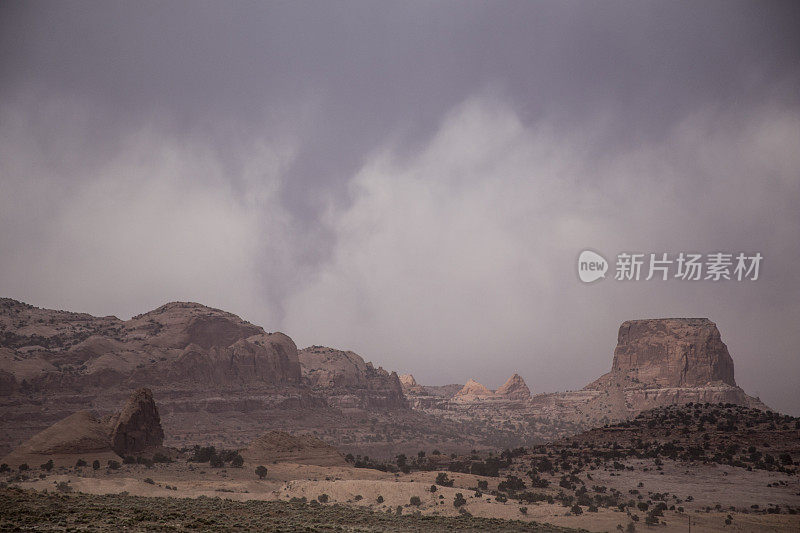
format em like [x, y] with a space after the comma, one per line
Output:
[279, 446]
[668, 361]
[178, 342]
[471, 391]
[138, 426]
[134, 429]
[671, 352]
[347, 381]
[514, 389]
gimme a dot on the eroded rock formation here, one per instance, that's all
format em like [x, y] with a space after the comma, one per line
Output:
[348, 381]
[82, 435]
[471, 391]
[671, 352]
[514, 389]
[137, 427]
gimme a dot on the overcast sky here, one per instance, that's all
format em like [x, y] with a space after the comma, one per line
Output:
[409, 180]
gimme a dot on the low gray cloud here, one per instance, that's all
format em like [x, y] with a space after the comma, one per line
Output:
[413, 181]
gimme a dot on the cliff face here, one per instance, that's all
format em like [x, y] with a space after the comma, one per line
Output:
[670, 352]
[138, 426]
[178, 342]
[349, 382]
[205, 367]
[659, 362]
[675, 352]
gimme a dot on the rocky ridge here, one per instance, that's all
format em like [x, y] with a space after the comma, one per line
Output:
[350, 382]
[209, 370]
[279, 446]
[656, 363]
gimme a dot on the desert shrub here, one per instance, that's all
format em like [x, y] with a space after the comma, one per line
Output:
[216, 462]
[415, 500]
[63, 486]
[443, 480]
[48, 465]
[129, 460]
[203, 454]
[523, 510]
[379, 499]
[576, 509]
[95, 464]
[511, 484]
[23, 467]
[4, 468]
[323, 498]
[79, 463]
[433, 488]
[113, 465]
[483, 484]
[459, 500]
[399, 510]
[261, 471]
[532, 497]
[146, 461]
[161, 458]
[642, 506]
[358, 497]
[502, 498]
[237, 461]
[149, 481]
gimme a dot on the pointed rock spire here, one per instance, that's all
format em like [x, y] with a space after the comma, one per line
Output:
[473, 390]
[514, 389]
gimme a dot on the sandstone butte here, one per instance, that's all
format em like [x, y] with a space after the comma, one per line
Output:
[669, 352]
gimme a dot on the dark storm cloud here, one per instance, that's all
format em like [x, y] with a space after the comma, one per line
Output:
[220, 71]
[238, 154]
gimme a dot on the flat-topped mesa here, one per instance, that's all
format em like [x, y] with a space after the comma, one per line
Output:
[473, 390]
[671, 352]
[514, 389]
